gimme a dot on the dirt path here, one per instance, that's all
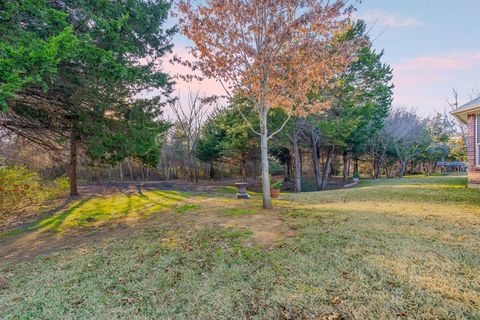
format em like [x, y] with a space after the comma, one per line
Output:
[268, 229]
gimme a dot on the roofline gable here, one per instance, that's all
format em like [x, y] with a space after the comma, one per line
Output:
[462, 112]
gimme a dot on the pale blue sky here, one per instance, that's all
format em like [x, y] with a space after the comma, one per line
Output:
[432, 45]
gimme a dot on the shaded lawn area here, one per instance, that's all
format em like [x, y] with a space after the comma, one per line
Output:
[91, 211]
[388, 249]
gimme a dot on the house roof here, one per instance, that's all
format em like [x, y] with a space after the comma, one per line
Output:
[462, 112]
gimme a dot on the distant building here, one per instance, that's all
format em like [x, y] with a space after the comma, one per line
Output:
[452, 166]
[469, 114]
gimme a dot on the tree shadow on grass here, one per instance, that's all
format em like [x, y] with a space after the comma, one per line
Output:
[170, 201]
[169, 195]
[50, 221]
[54, 223]
[129, 205]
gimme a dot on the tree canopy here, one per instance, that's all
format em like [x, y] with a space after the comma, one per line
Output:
[73, 70]
[271, 52]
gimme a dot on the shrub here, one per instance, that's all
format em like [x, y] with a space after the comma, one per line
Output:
[356, 175]
[277, 185]
[22, 189]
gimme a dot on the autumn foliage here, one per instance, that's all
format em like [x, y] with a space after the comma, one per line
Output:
[274, 52]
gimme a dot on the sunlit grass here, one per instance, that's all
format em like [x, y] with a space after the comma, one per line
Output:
[96, 210]
[186, 208]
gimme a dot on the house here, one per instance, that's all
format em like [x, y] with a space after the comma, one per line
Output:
[469, 114]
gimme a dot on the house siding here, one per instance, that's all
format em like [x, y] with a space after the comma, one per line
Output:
[473, 169]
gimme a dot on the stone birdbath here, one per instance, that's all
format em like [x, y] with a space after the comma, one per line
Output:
[242, 190]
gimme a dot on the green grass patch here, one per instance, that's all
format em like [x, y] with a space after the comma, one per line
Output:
[91, 211]
[187, 207]
[227, 190]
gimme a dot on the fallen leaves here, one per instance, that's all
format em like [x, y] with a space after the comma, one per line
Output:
[130, 300]
[4, 283]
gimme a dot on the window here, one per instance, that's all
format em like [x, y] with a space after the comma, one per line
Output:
[477, 140]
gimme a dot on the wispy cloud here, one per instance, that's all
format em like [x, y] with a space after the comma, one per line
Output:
[381, 18]
[439, 63]
[426, 81]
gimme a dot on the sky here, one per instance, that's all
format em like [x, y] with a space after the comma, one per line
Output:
[432, 46]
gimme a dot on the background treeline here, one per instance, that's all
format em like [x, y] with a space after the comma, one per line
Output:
[74, 78]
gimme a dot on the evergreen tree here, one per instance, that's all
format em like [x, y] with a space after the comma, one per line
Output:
[360, 98]
[72, 69]
[227, 135]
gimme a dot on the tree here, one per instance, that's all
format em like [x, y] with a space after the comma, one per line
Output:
[439, 132]
[334, 127]
[227, 135]
[364, 95]
[408, 134]
[209, 147]
[372, 90]
[291, 138]
[189, 120]
[271, 52]
[70, 70]
[313, 137]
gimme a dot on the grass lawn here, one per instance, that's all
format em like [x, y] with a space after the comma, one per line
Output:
[387, 249]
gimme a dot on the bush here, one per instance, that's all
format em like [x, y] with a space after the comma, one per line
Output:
[277, 185]
[356, 175]
[22, 189]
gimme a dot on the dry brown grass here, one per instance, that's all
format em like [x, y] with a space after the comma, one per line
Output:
[391, 249]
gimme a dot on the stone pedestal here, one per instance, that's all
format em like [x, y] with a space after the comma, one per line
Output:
[242, 190]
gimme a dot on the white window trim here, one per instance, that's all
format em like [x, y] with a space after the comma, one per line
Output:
[477, 142]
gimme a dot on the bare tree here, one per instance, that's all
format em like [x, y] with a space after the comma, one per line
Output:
[189, 119]
[453, 123]
[408, 134]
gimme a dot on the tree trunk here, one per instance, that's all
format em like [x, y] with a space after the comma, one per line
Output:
[197, 172]
[243, 168]
[289, 169]
[189, 168]
[316, 164]
[267, 200]
[130, 169]
[212, 172]
[345, 165]
[327, 168]
[73, 160]
[403, 166]
[98, 178]
[121, 171]
[377, 168]
[355, 165]
[297, 176]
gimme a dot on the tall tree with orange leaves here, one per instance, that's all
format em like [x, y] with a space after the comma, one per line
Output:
[273, 52]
